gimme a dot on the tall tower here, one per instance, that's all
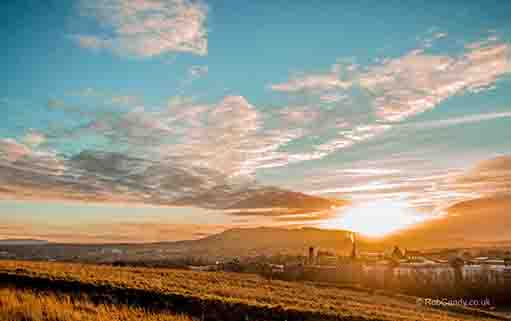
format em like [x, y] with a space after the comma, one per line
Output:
[311, 255]
[353, 255]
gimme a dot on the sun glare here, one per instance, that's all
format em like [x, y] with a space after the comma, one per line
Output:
[375, 219]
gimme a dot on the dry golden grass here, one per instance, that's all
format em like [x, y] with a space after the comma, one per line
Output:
[247, 290]
[19, 305]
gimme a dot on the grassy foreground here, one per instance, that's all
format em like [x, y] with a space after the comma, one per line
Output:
[22, 305]
[225, 296]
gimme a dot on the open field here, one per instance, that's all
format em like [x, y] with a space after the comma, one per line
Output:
[23, 305]
[223, 296]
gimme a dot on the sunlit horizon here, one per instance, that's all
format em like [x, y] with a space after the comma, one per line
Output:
[376, 219]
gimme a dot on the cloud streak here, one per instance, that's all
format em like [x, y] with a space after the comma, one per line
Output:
[405, 86]
[417, 82]
[454, 121]
[145, 28]
[313, 82]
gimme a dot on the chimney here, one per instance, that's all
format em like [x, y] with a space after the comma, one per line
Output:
[353, 247]
[311, 255]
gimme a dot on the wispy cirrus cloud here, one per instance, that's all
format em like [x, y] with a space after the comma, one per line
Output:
[146, 28]
[312, 82]
[416, 82]
[325, 85]
[461, 120]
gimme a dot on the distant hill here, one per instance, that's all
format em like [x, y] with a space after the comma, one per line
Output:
[23, 242]
[239, 242]
[268, 241]
[478, 222]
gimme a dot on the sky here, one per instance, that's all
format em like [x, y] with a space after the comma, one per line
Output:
[150, 120]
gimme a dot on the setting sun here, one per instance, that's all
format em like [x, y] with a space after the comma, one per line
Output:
[375, 219]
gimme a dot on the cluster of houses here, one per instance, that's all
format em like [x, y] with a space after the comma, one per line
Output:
[381, 270]
[395, 268]
[479, 270]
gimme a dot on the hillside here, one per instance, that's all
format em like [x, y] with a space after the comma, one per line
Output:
[218, 296]
[478, 222]
[268, 241]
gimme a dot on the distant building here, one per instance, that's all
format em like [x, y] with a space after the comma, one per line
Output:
[354, 253]
[430, 271]
[397, 254]
[412, 255]
[491, 271]
[311, 259]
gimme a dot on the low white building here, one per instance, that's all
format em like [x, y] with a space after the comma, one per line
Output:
[492, 271]
[426, 270]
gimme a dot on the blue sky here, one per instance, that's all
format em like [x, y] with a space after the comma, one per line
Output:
[152, 102]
